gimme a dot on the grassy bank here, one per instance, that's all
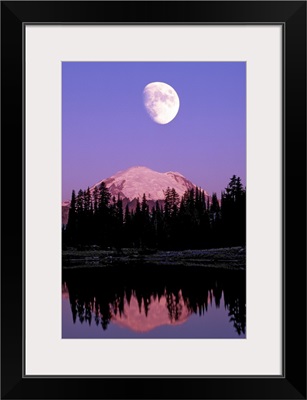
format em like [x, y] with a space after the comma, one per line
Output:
[229, 258]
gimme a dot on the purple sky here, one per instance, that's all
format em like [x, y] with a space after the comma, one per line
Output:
[105, 127]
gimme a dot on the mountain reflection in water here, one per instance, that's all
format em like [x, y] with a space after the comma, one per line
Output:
[153, 302]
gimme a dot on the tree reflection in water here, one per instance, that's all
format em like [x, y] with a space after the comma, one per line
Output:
[144, 297]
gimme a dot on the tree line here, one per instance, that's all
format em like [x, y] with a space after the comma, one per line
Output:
[190, 222]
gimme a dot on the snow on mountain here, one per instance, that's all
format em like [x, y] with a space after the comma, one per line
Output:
[133, 182]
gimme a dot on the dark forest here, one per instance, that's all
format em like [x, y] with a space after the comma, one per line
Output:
[194, 221]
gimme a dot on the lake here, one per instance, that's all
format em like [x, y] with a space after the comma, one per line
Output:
[146, 301]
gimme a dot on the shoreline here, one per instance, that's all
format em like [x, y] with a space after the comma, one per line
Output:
[221, 258]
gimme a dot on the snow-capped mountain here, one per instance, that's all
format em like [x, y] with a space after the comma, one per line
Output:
[133, 182]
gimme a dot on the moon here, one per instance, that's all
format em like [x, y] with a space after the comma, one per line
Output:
[161, 102]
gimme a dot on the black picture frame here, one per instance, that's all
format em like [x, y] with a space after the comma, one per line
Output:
[292, 16]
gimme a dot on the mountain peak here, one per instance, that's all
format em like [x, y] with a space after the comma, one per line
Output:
[136, 167]
[139, 167]
[133, 182]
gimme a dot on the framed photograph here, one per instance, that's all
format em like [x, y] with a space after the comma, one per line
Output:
[154, 238]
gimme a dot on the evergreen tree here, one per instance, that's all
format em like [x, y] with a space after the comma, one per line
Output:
[145, 223]
[103, 216]
[87, 201]
[175, 200]
[80, 217]
[118, 224]
[215, 207]
[88, 217]
[159, 226]
[128, 232]
[137, 224]
[215, 221]
[80, 202]
[167, 203]
[96, 198]
[233, 212]
[167, 217]
[71, 224]
[104, 197]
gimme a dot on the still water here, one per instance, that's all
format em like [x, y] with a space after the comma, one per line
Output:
[153, 302]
